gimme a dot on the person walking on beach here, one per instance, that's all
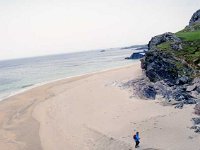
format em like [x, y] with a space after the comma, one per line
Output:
[137, 139]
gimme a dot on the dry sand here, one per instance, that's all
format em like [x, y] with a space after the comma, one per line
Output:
[91, 112]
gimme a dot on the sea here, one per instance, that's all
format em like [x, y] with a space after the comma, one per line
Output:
[18, 75]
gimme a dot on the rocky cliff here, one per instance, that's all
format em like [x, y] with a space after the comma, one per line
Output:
[172, 66]
[195, 18]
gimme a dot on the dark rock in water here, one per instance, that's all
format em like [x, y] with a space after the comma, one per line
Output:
[166, 37]
[195, 18]
[135, 56]
[102, 50]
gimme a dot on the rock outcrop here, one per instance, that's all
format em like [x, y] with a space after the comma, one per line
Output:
[160, 65]
[136, 56]
[196, 124]
[197, 109]
[139, 52]
[196, 120]
[166, 37]
[173, 94]
[169, 69]
[195, 18]
[170, 76]
[143, 88]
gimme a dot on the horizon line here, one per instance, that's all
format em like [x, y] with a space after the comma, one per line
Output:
[78, 51]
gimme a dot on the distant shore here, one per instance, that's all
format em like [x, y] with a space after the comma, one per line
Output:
[90, 112]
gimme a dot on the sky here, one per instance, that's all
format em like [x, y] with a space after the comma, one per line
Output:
[42, 27]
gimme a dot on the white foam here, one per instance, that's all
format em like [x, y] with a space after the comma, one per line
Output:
[47, 82]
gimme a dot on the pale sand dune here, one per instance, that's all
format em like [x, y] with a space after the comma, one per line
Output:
[91, 113]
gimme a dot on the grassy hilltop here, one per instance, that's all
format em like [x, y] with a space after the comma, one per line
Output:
[190, 52]
[172, 65]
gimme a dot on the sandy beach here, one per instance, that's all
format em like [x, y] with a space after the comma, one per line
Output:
[91, 112]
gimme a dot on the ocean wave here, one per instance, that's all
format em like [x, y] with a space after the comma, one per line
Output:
[21, 74]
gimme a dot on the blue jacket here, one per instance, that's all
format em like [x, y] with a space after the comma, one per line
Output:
[136, 137]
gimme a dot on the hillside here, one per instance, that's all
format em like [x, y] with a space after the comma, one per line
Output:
[172, 66]
[190, 52]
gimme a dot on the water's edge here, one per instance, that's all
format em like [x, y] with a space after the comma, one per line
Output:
[25, 89]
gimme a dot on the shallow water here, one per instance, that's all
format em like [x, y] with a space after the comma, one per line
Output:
[18, 74]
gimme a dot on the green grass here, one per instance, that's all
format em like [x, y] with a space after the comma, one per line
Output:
[194, 27]
[164, 46]
[191, 48]
[189, 36]
[190, 44]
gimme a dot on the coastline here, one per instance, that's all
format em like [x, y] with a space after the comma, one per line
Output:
[24, 89]
[90, 112]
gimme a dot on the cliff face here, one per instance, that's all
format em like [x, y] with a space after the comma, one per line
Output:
[195, 18]
[173, 56]
[172, 64]
[172, 68]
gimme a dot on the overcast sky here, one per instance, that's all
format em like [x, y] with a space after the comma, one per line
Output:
[40, 27]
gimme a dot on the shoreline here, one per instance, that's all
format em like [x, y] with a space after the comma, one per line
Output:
[22, 90]
[91, 112]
